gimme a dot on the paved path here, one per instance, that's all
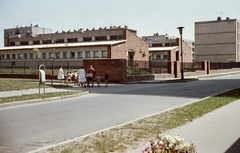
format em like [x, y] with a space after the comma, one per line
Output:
[215, 132]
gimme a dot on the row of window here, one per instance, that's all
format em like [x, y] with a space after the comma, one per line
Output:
[162, 45]
[160, 57]
[69, 40]
[59, 55]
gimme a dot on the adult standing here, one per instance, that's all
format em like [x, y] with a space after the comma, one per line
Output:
[106, 76]
[81, 77]
[60, 74]
[93, 72]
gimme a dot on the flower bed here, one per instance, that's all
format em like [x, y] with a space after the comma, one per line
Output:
[168, 144]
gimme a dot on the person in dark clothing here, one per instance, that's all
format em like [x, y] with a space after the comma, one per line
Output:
[106, 76]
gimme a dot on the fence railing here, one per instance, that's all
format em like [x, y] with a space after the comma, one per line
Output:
[31, 67]
[146, 67]
[229, 65]
[132, 67]
[191, 67]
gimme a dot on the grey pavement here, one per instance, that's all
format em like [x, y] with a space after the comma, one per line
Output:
[221, 126]
[215, 132]
[30, 91]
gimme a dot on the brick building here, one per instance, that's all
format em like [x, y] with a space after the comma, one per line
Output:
[165, 48]
[217, 40]
[33, 42]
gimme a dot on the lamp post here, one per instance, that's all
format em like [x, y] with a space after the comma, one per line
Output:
[182, 68]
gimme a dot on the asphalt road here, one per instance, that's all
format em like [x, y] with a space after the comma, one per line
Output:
[29, 127]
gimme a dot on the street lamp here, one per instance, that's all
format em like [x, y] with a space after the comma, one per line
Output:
[182, 68]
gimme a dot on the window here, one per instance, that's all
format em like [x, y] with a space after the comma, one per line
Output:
[99, 38]
[64, 54]
[158, 57]
[24, 42]
[31, 56]
[17, 31]
[116, 37]
[47, 41]
[43, 55]
[72, 40]
[87, 54]
[8, 56]
[24, 56]
[104, 54]
[36, 42]
[157, 45]
[59, 41]
[80, 55]
[72, 54]
[87, 39]
[96, 54]
[165, 57]
[13, 56]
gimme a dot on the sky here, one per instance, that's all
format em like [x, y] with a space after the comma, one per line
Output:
[145, 16]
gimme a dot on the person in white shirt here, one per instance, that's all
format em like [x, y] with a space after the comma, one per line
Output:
[81, 77]
[60, 75]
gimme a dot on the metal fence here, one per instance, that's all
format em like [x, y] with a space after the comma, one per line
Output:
[132, 67]
[31, 67]
[146, 67]
[191, 67]
[229, 65]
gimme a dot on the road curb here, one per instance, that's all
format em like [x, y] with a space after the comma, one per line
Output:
[18, 103]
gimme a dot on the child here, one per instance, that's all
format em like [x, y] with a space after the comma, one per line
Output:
[74, 77]
[98, 78]
[89, 79]
[69, 77]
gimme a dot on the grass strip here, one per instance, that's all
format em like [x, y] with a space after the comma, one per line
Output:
[132, 135]
[37, 96]
[7, 84]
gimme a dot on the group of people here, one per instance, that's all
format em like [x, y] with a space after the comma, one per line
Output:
[81, 78]
[68, 77]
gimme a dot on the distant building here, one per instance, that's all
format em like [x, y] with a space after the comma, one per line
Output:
[217, 40]
[23, 32]
[165, 48]
[103, 43]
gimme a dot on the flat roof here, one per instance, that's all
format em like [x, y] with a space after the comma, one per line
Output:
[162, 48]
[77, 44]
[217, 21]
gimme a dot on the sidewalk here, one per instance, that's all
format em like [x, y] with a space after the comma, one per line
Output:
[36, 91]
[215, 132]
[31, 91]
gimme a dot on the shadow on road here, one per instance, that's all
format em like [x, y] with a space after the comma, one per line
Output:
[195, 89]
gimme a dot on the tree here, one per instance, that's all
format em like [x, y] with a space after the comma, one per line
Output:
[37, 52]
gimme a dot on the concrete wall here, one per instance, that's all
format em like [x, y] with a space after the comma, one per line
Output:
[217, 41]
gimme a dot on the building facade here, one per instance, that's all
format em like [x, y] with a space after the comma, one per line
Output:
[217, 40]
[165, 48]
[31, 43]
[21, 32]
